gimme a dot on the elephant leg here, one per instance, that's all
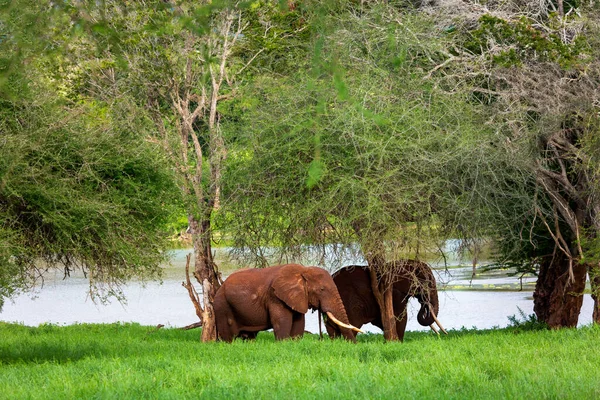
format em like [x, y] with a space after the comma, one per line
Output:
[401, 321]
[298, 323]
[281, 320]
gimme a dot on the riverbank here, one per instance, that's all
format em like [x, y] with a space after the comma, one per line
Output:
[133, 361]
[66, 301]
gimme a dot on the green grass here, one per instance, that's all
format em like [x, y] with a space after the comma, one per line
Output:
[133, 361]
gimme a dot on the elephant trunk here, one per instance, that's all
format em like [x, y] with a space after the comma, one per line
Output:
[427, 315]
[336, 312]
[428, 308]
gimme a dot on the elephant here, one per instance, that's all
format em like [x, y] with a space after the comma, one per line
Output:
[253, 300]
[413, 278]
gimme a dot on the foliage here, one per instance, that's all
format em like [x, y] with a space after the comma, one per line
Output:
[540, 78]
[280, 32]
[80, 191]
[131, 361]
[520, 40]
[29, 30]
[79, 187]
[524, 322]
[537, 74]
[365, 141]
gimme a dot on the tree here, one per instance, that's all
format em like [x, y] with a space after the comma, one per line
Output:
[79, 187]
[177, 60]
[539, 75]
[364, 148]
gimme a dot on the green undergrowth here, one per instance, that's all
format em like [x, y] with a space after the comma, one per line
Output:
[131, 361]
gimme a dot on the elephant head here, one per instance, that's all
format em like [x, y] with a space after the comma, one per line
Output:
[415, 278]
[301, 288]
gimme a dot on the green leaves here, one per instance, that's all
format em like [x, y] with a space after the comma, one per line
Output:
[523, 41]
[78, 187]
[316, 170]
[355, 141]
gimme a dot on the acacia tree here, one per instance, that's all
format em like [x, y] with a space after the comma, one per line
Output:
[363, 148]
[79, 188]
[194, 96]
[539, 75]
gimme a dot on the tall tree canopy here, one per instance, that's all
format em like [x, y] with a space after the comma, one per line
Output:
[538, 74]
[364, 147]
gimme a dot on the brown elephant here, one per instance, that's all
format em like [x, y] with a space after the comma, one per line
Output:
[253, 300]
[413, 279]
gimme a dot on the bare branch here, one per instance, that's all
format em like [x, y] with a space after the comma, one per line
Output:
[563, 180]
[191, 290]
[250, 61]
[558, 200]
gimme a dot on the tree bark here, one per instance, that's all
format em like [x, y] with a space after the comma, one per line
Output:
[388, 319]
[209, 323]
[382, 289]
[205, 271]
[557, 298]
[561, 8]
[594, 272]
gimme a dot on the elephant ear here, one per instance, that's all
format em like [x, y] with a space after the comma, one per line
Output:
[290, 287]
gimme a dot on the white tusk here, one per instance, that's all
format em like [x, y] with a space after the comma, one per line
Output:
[343, 325]
[438, 322]
[433, 329]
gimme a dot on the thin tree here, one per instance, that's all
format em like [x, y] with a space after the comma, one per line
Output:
[176, 60]
[199, 150]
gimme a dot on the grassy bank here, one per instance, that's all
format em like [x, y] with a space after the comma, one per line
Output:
[132, 361]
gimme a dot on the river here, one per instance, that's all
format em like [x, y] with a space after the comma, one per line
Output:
[485, 302]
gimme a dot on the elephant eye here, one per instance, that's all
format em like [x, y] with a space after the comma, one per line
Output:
[322, 288]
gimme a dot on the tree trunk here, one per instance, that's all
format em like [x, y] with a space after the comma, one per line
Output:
[209, 323]
[594, 271]
[381, 284]
[388, 319]
[206, 274]
[558, 298]
[382, 289]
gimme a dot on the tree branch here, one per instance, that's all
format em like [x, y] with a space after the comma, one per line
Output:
[191, 290]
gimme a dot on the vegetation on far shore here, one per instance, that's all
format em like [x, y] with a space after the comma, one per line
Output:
[125, 361]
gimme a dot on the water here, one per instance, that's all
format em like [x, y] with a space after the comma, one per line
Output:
[67, 302]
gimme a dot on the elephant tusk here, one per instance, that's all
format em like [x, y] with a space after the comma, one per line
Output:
[340, 323]
[438, 322]
[433, 329]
